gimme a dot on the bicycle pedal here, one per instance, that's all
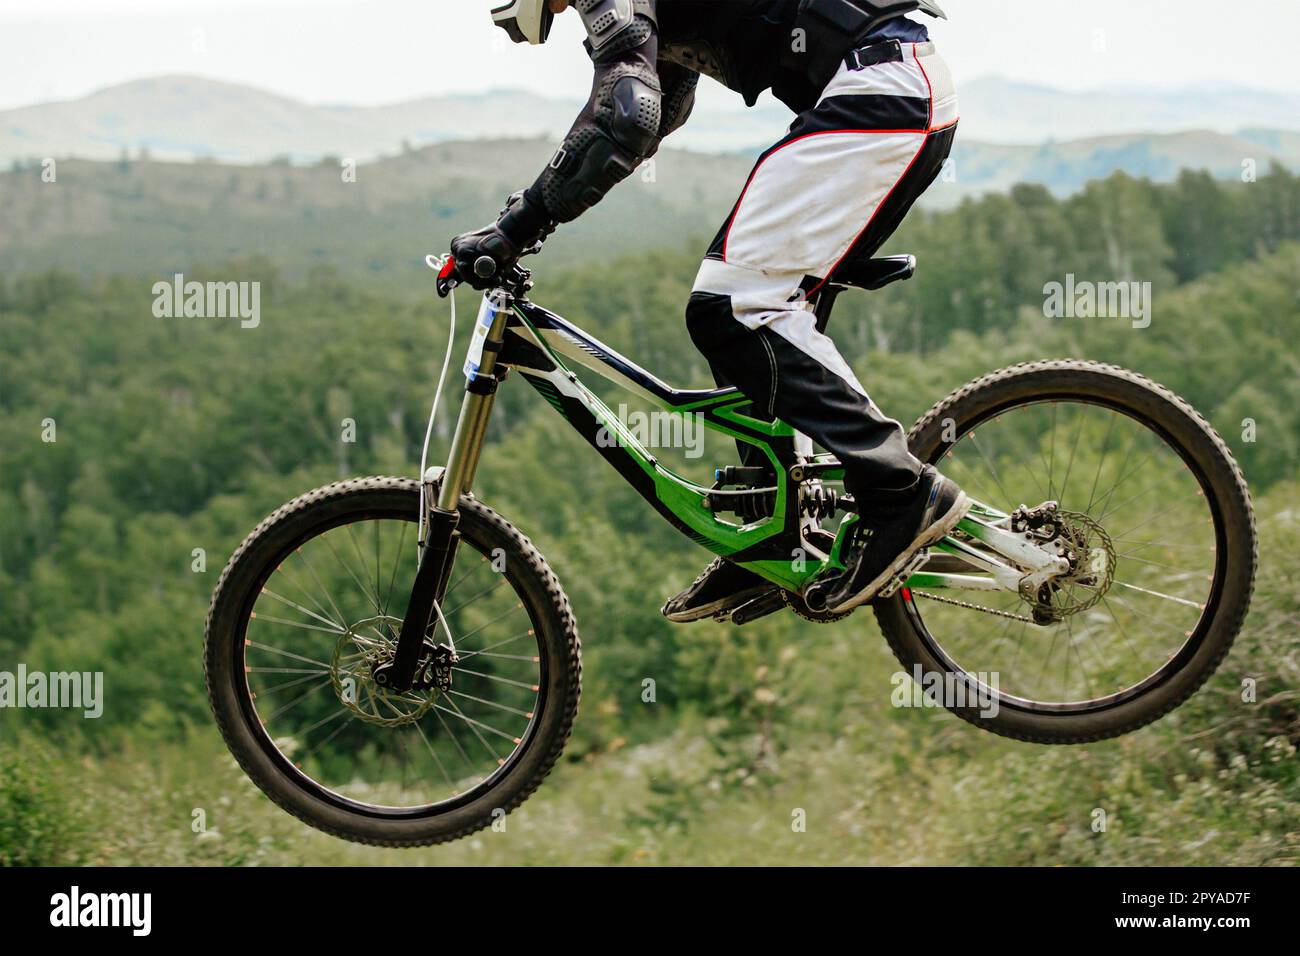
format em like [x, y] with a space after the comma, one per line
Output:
[900, 578]
[761, 606]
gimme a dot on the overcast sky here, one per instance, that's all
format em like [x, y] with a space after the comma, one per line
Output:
[379, 51]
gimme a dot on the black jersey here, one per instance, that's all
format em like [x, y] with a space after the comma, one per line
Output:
[736, 42]
[648, 57]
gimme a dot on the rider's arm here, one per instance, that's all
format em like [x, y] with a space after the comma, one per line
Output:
[624, 118]
[636, 100]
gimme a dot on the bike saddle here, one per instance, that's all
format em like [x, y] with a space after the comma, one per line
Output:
[866, 274]
[872, 274]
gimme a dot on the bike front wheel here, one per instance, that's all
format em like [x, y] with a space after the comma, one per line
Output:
[1147, 490]
[313, 600]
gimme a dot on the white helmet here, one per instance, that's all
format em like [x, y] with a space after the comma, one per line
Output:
[527, 21]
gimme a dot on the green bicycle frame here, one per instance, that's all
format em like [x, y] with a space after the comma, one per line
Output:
[514, 333]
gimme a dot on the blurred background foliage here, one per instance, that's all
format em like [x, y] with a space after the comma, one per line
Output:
[180, 434]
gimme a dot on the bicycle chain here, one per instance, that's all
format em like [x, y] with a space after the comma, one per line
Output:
[974, 607]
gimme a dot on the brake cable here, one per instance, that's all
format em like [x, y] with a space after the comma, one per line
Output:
[436, 263]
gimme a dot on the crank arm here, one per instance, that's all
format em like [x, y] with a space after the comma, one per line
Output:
[761, 606]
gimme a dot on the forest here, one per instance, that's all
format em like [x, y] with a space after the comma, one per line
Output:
[137, 451]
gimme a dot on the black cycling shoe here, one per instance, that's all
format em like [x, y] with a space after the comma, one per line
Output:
[721, 587]
[938, 506]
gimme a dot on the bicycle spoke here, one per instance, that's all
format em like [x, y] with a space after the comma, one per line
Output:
[436, 759]
[298, 607]
[490, 703]
[296, 657]
[487, 590]
[374, 598]
[263, 691]
[299, 699]
[325, 538]
[493, 677]
[306, 627]
[1101, 461]
[397, 562]
[509, 640]
[315, 577]
[284, 572]
[473, 726]
[1167, 597]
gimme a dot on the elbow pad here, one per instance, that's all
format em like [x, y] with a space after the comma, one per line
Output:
[607, 143]
[621, 124]
[630, 106]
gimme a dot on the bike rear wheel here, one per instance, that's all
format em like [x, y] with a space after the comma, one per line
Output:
[313, 600]
[1153, 490]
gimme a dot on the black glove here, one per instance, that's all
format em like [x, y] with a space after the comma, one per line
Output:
[485, 255]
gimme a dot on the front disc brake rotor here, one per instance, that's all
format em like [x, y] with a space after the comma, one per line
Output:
[367, 644]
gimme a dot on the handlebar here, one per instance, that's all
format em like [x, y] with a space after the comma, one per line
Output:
[516, 279]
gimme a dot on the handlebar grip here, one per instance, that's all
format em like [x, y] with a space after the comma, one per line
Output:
[485, 266]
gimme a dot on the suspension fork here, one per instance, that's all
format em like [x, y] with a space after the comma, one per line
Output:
[441, 539]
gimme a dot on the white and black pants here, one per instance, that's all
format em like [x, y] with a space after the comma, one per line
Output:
[832, 190]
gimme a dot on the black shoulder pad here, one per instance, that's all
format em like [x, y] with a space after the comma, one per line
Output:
[606, 20]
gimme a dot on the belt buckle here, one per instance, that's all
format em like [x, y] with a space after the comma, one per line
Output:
[864, 57]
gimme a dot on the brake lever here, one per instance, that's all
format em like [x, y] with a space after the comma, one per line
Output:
[447, 278]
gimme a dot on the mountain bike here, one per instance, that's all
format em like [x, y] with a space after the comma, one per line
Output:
[394, 662]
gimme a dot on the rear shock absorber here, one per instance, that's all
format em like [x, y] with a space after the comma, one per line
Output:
[818, 501]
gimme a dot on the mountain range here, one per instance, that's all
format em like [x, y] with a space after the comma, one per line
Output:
[190, 170]
[189, 117]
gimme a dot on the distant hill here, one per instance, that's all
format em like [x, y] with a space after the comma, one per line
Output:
[112, 217]
[1005, 111]
[150, 216]
[188, 117]
[1064, 167]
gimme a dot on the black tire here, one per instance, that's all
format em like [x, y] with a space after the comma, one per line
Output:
[1220, 480]
[533, 583]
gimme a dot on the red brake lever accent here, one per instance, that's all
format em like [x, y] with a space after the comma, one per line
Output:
[448, 268]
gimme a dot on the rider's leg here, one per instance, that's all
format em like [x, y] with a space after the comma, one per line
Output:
[834, 188]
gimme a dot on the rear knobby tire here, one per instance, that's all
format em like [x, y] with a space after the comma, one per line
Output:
[1221, 482]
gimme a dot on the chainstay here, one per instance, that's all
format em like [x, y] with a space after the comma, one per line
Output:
[974, 607]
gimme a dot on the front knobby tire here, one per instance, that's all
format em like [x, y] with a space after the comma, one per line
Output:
[1178, 430]
[376, 809]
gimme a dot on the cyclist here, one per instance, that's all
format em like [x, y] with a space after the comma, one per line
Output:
[876, 118]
